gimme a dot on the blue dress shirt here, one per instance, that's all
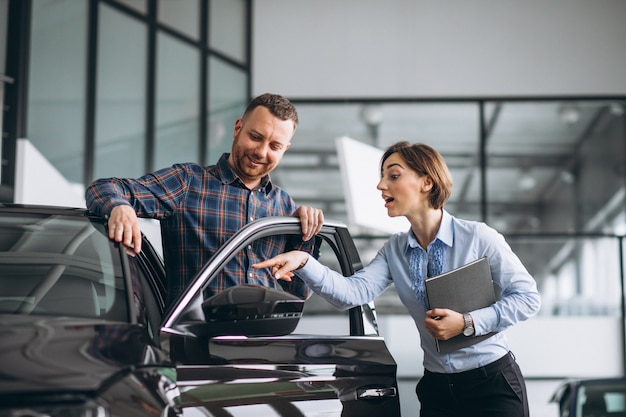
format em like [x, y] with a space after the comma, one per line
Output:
[464, 241]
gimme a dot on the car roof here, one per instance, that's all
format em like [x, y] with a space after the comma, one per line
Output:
[575, 383]
[44, 209]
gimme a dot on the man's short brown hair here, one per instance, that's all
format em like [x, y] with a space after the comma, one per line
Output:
[278, 105]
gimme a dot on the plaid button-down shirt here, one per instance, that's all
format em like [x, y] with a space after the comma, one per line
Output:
[199, 209]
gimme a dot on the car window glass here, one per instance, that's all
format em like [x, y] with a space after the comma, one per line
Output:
[318, 316]
[146, 301]
[321, 317]
[601, 399]
[229, 311]
[56, 265]
[616, 402]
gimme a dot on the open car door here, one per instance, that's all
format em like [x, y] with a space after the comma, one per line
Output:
[242, 353]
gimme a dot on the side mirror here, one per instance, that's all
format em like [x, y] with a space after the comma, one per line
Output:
[251, 310]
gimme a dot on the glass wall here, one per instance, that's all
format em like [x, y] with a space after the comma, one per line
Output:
[560, 163]
[120, 132]
[557, 167]
[177, 102]
[549, 175]
[227, 102]
[182, 18]
[4, 15]
[227, 28]
[119, 88]
[57, 96]
[139, 5]
[576, 275]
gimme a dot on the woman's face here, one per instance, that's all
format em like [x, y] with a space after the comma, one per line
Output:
[404, 191]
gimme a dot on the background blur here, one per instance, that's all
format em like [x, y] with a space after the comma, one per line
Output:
[524, 100]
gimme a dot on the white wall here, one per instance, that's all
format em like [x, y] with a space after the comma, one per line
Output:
[453, 48]
[545, 347]
[38, 182]
[363, 201]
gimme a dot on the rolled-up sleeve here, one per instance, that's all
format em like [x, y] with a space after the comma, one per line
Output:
[154, 195]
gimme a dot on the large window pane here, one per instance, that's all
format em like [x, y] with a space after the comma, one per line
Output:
[177, 109]
[139, 5]
[182, 15]
[310, 170]
[600, 172]
[551, 166]
[4, 15]
[56, 100]
[228, 29]
[227, 101]
[120, 104]
[575, 275]
[453, 130]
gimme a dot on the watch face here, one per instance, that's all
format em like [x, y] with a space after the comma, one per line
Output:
[468, 331]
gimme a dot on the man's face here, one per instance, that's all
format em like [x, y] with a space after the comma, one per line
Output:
[260, 140]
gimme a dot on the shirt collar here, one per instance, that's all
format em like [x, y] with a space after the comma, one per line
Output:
[445, 233]
[228, 176]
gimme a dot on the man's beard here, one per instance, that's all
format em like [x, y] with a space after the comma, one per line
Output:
[247, 172]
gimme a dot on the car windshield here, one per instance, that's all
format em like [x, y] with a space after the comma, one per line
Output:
[59, 265]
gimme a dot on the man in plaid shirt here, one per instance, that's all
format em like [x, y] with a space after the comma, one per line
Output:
[199, 208]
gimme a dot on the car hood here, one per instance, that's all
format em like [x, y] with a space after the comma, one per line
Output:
[40, 354]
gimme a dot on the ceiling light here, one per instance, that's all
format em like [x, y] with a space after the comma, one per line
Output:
[372, 114]
[617, 109]
[526, 181]
[569, 113]
[568, 177]
[533, 222]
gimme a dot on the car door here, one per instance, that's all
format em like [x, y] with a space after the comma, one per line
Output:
[295, 374]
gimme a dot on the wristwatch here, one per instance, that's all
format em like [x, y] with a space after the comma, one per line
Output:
[468, 330]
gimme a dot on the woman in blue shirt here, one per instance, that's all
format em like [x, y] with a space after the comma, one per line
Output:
[482, 379]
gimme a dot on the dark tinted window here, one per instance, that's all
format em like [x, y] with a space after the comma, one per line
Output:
[147, 300]
[602, 399]
[57, 265]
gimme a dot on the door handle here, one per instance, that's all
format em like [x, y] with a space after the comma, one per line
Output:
[368, 393]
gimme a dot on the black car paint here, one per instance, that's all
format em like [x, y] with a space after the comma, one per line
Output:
[585, 397]
[133, 368]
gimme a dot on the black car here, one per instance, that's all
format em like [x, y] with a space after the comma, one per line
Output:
[85, 332]
[594, 397]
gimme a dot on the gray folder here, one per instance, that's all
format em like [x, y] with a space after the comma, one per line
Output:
[463, 290]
